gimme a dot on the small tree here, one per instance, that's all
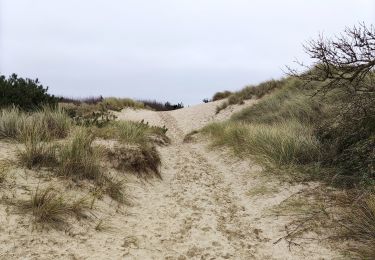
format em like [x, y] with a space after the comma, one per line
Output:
[346, 64]
[348, 58]
[26, 93]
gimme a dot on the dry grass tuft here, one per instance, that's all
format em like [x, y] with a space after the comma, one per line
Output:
[189, 137]
[4, 167]
[360, 224]
[78, 159]
[143, 160]
[114, 188]
[49, 206]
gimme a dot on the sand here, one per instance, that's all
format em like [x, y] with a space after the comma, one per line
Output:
[203, 207]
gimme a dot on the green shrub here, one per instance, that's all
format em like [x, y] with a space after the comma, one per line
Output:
[26, 93]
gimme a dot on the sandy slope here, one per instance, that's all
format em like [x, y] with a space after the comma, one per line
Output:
[202, 209]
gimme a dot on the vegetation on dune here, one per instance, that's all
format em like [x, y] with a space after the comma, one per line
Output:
[320, 122]
[246, 93]
[281, 144]
[44, 124]
[117, 104]
[78, 159]
[221, 95]
[26, 93]
[49, 206]
[160, 106]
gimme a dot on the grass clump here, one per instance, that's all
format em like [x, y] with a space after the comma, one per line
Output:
[283, 144]
[37, 154]
[133, 132]
[360, 222]
[221, 95]
[49, 206]
[250, 92]
[114, 188]
[11, 120]
[48, 123]
[143, 160]
[78, 159]
[117, 104]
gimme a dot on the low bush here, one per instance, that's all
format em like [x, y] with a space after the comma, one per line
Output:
[160, 106]
[26, 93]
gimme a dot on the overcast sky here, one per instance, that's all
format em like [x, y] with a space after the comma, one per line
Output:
[176, 50]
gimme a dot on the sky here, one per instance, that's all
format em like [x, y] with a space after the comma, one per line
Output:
[168, 50]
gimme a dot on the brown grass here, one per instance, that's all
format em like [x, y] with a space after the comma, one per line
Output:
[50, 206]
[143, 160]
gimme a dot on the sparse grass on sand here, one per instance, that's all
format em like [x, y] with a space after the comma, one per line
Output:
[50, 206]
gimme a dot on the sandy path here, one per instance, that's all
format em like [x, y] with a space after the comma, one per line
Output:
[200, 209]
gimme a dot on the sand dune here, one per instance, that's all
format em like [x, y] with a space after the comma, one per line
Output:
[203, 208]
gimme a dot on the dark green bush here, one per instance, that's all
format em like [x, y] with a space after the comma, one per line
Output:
[26, 93]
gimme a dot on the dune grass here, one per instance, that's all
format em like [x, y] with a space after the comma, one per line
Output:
[11, 120]
[133, 132]
[48, 123]
[282, 144]
[49, 206]
[37, 154]
[250, 92]
[143, 160]
[360, 222]
[117, 104]
[78, 159]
